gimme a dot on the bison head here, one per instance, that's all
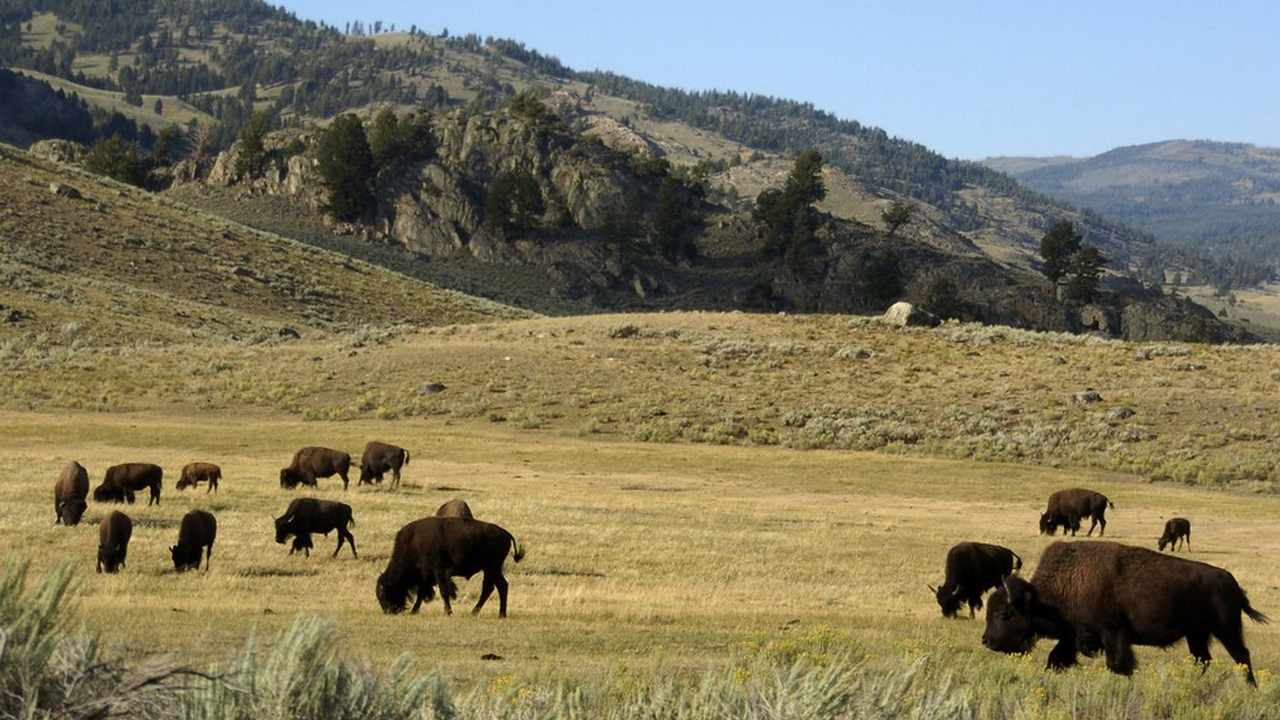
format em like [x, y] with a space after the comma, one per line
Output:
[286, 478]
[391, 596]
[948, 599]
[72, 511]
[284, 528]
[1011, 623]
[1048, 524]
[185, 557]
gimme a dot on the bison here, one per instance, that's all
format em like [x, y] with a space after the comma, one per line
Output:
[122, 481]
[1067, 507]
[429, 552]
[1104, 595]
[310, 463]
[455, 508]
[198, 531]
[113, 541]
[199, 472]
[305, 516]
[380, 458]
[972, 569]
[1174, 530]
[69, 493]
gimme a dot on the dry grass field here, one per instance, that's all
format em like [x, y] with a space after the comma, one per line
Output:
[644, 560]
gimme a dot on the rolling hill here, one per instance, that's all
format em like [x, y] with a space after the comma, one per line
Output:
[1221, 199]
[89, 261]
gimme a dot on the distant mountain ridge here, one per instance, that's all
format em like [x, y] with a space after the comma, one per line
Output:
[1217, 198]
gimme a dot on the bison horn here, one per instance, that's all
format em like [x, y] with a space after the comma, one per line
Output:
[932, 589]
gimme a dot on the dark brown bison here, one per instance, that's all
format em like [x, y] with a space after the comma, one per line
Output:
[310, 463]
[1175, 529]
[1067, 507]
[1103, 595]
[430, 552]
[455, 508]
[122, 481]
[972, 569]
[380, 458]
[198, 531]
[309, 515]
[69, 494]
[199, 472]
[113, 541]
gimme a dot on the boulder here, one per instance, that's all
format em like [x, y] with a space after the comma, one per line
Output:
[63, 151]
[1087, 396]
[64, 190]
[904, 314]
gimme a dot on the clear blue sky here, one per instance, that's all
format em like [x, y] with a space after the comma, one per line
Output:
[967, 79]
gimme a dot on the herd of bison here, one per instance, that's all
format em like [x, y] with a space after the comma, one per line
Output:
[1089, 597]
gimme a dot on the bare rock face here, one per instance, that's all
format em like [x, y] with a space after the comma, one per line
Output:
[1099, 318]
[616, 136]
[1177, 319]
[904, 314]
[63, 151]
[64, 190]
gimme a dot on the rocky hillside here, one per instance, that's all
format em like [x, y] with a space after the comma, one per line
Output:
[1222, 199]
[90, 260]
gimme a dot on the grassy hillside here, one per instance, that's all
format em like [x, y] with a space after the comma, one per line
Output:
[120, 266]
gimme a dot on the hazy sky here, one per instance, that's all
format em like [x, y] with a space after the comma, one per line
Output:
[969, 79]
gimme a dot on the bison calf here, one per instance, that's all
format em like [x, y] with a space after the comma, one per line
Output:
[380, 458]
[310, 463]
[1175, 529]
[198, 531]
[199, 472]
[305, 516]
[113, 541]
[973, 569]
[1067, 507]
[69, 493]
[429, 552]
[1102, 595]
[455, 508]
[122, 481]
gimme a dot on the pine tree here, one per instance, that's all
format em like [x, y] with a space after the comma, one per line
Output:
[1056, 247]
[346, 164]
[513, 202]
[899, 213]
[117, 158]
[252, 156]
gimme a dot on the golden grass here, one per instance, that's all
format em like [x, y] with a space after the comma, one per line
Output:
[642, 558]
[175, 112]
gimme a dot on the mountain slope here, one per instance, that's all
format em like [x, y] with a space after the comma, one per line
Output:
[121, 266]
[1219, 198]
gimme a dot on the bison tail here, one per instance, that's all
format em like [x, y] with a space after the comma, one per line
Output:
[406, 457]
[517, 552]
[1111, 505]
[1254, 615]
[1017, 560]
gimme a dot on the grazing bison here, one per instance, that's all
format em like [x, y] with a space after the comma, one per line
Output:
[1104, 595]
[430, 552]
[1067, 507]
[309, 515]
[310, 463]
[198, 472]
[1174, 530]
[122, 481]
[113, 541]
[455, 508]
[973, 569]
[380, 458]
[198, 531]
[69, 493]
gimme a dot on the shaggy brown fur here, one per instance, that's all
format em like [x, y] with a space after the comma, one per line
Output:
[70, 491]
[198, 531]
[113, 541]
[198, 472]
[455, 508]
[380, 458]
[1176, 529]
[1102, 595]
[972, 569]
[310, 463]
[430, 552]
[1067, 507]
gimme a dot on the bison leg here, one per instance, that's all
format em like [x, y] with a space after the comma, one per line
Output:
[1063, 655]
[1198, 644]
[351, 540]
[500, 582]
[208, 557]
[395, 478]
[1232, 639]
[1119, 647]
[485, 591]
[443, 580]
[1102, 521]
[424, 591]
[345, 480]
